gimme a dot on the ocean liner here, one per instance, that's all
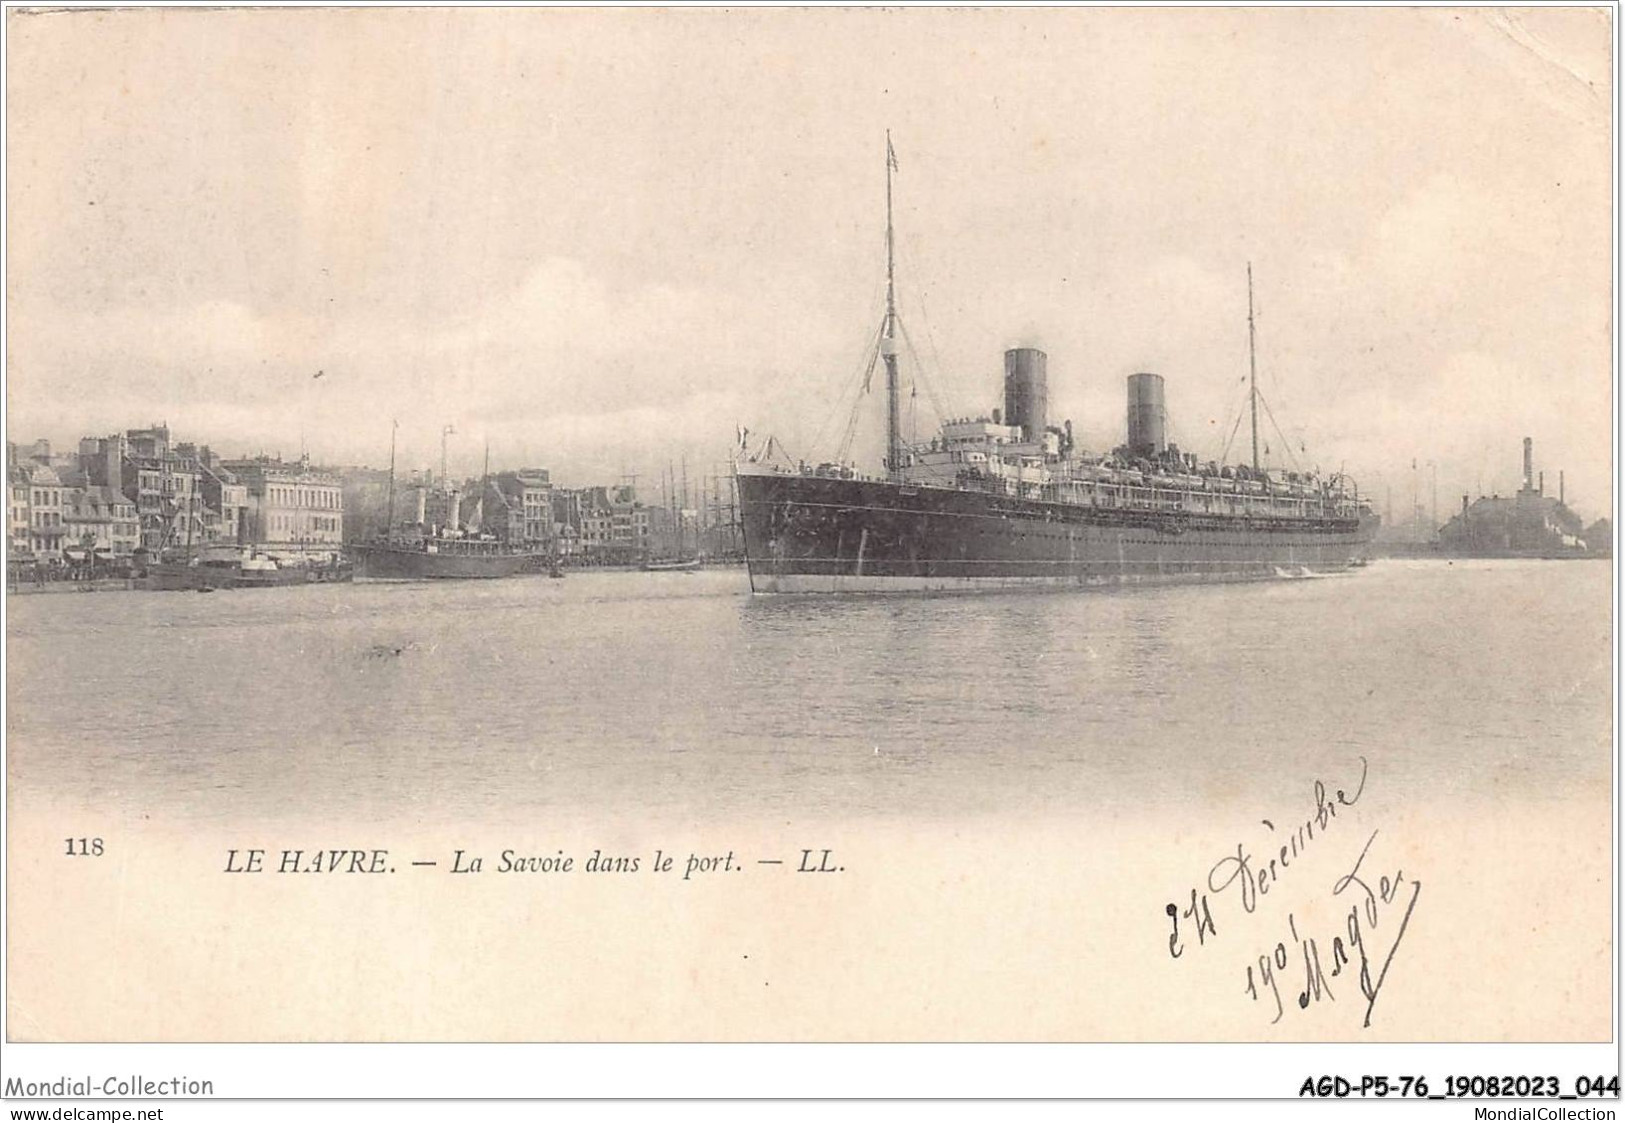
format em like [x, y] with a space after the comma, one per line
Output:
[1007, 501]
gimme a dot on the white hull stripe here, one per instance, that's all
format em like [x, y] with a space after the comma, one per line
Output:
[850, 583]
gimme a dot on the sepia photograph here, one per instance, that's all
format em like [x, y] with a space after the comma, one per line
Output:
[809, 525]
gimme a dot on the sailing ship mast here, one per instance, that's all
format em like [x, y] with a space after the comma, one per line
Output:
[1252, 363]
[888, 339]
[389, 526]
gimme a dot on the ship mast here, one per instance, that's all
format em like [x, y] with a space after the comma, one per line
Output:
[888, 341]
[1252, 362]
[389, 525]
[485, 485]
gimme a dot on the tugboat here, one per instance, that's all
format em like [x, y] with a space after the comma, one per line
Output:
[242, 567]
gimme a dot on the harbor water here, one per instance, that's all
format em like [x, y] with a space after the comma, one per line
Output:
[680, 696]
[898, 818]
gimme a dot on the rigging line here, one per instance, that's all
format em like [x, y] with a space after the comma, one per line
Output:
[1276, 385]
[1236, 413]
[773, 440]
[1271, 414]
[850, 384]
[930, 337]
[919, 367]
[918, 299]
[1237, 407]
[923, 378]
[1234, 429]
[876, 292]
[844, 450]
[853, 382]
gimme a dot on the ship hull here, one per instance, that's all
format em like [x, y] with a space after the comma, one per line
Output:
[170, 576]
[395, 564]
[295, 575]
[816, 534]
[174, 577]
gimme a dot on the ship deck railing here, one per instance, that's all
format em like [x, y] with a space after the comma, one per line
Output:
[1239, 501]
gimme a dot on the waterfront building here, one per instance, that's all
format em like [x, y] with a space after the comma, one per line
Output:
[98, 520]
[567, 541]
[164, 486]
[567, 510]
[597, 521]
[611, 527]
[224, 498]
[45, 527]
[1599, 538]
[527, 504]
[17, 507]
[629, 523]
[498, 513]
[1529, 523]
[366, 503]
[289, 505]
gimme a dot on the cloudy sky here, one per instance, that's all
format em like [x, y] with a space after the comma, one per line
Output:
[601, 240]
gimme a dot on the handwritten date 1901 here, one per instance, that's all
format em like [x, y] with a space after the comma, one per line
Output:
[1372, 900]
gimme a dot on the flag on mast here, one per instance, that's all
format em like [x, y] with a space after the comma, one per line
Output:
[891, 156]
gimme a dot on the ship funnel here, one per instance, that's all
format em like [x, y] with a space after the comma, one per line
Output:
[1147, 416]
[1026, 391]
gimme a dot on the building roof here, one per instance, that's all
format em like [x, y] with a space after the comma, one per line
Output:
[260, 468]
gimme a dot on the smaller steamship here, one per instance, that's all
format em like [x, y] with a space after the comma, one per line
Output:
[444, 552]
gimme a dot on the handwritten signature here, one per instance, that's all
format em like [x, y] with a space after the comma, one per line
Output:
[1366, 912]
[1243, 878]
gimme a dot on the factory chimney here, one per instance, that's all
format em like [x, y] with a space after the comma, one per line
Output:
[1147, 417]
[1528, 463]
[1543, 482]
[113, 451]
[1026, 391]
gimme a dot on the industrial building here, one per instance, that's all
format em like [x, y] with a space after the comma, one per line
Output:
[1528, 524]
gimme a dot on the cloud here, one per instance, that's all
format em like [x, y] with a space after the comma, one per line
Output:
[547, 231]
